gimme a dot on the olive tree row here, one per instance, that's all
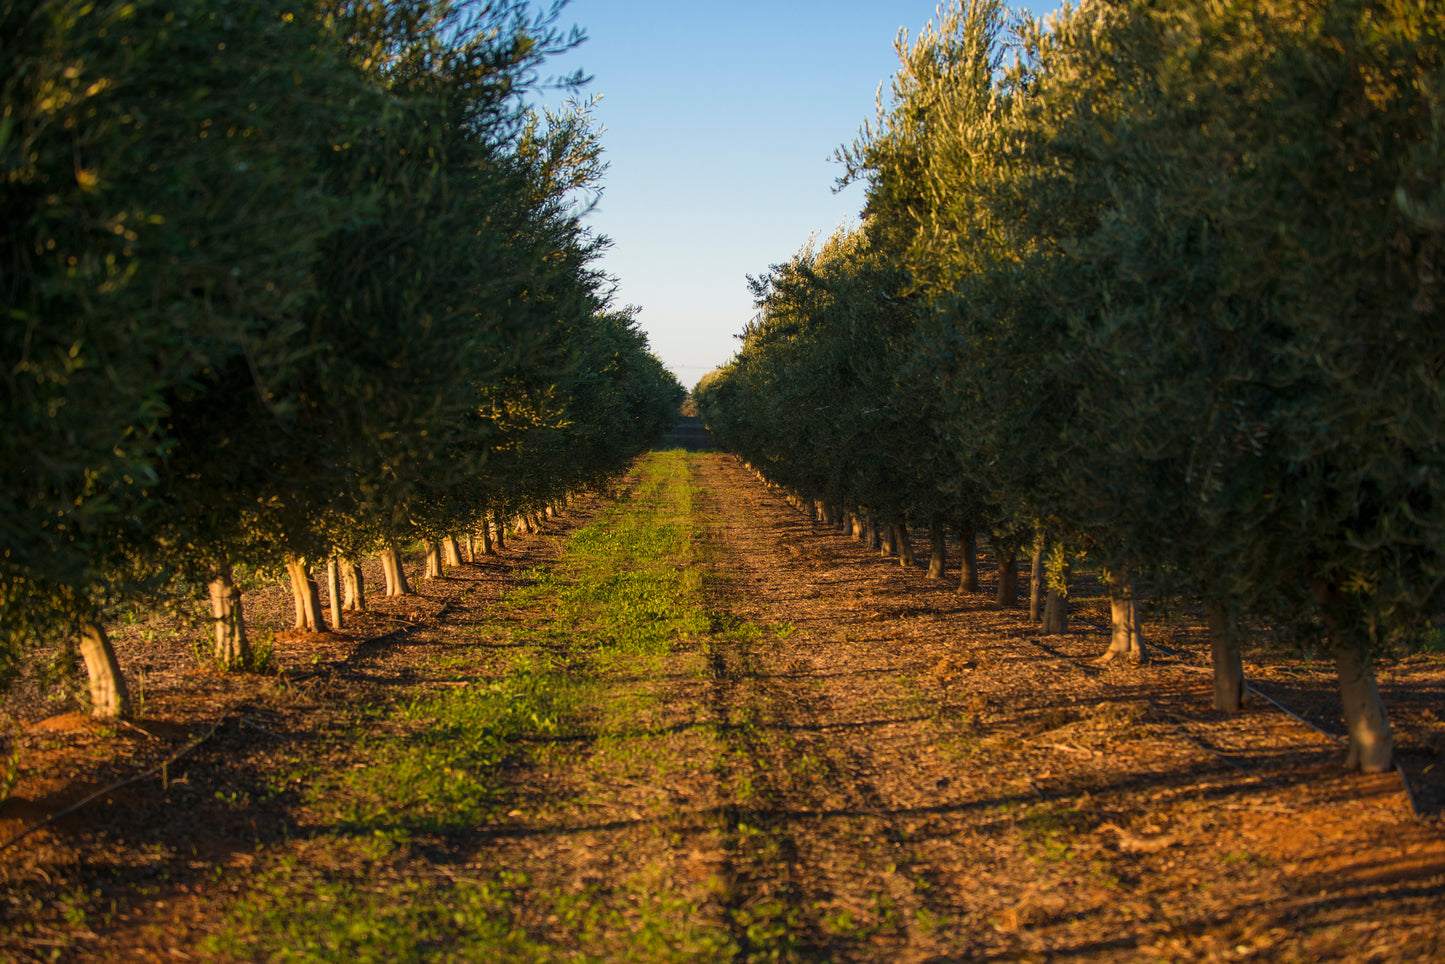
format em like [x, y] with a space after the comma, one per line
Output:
[1176, 275]
[267, 271]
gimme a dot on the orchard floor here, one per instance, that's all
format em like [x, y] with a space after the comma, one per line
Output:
[852, 764]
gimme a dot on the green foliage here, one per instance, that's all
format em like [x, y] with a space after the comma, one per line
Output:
[1174, 294]
[280, 280]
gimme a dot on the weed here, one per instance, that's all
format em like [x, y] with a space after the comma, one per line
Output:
[1244, 857]
[263, 656]
[1050, 831]
[1427, 639]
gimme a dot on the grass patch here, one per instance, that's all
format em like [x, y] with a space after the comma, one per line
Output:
[622, 604]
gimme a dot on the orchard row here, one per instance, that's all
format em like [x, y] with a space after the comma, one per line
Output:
[287, 283]
[1159, 284]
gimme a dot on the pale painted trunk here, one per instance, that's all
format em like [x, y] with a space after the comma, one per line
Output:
[432, 553]
[968, 560]
[354, 586]
[452, 551]
[305, 595]
[109, 697]
[1126, 628]
[856, 522]
[488, 549]
[1231, 692]
[1036, 576]
[395, 572]
[905, 545]
[1056, 608]
[1007, 594]
[233, 651]
[938, 556]
[471, 545]
[1371, 743]
[526, 525]
[333, 589]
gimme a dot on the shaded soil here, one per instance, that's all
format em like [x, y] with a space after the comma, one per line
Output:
[688, 433]
[885, 770]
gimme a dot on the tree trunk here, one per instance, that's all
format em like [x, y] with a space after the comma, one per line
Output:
[395, 571]
[1126, 630]
[938, 557]
[306, 596]
[354, 584]
[905, 545]
[471, 545]
[1372, 746]
[1056, 614]
[432, 553]
[527, 524]
[501, 536]
[333, 589]
[1007, 595]
[109, 698]
[887, 536]
[856, 521]
[1036, 576]
[968, 560]
[1231, 693]
[452, 551]
[873, 539]
[488, 549]
[233, 651]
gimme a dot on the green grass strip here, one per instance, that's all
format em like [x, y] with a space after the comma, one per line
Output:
[623, 598]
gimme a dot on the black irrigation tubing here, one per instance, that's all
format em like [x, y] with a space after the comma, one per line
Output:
[189, 747]
[1182, 664]
[1404, 778]
[163, 766]
[158, 768]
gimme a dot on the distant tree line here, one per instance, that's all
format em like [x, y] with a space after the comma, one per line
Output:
[1159, 283]
[286, 284]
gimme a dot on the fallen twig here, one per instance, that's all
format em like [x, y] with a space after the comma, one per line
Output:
[247, 721]
[139, 729]
[1067, 748]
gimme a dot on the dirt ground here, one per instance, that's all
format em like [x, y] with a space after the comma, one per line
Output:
[891, 770]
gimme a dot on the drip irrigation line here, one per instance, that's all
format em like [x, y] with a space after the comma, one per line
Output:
[1404, 778]
[158, 768]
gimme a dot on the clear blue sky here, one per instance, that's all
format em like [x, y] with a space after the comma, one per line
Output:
[720, 119]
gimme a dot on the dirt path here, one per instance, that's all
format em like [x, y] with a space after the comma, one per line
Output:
[832, 760]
